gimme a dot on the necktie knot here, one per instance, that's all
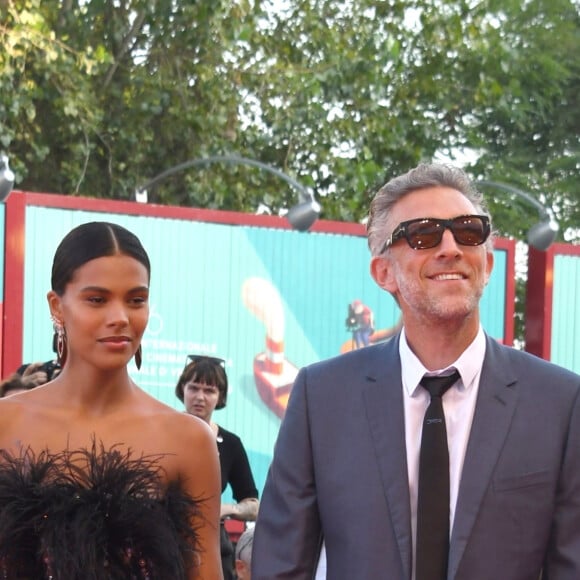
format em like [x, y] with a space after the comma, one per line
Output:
[438, 386]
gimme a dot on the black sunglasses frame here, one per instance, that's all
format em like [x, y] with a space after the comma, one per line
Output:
[402, 231]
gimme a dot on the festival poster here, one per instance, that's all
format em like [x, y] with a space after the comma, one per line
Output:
[268, 301]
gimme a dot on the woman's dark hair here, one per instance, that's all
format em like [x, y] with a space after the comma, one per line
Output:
[206, 370]
[88, 242]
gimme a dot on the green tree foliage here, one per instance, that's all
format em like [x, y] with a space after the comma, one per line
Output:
[97, 97]
[529, 131]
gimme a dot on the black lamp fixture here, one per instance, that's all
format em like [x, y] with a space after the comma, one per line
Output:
[301, 216]
[542, 234]
[6, 177]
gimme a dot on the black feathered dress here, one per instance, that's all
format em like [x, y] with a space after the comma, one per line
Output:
[93, 514]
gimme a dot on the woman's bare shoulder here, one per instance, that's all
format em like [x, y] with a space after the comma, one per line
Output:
[187, 426]
[16, 419]
[12, 408]
[168, 413]
[179, 425]
[188, 445]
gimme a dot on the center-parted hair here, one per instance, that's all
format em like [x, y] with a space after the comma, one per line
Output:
[88, 242]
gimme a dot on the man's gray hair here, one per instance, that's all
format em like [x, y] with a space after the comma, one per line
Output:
[423, 176]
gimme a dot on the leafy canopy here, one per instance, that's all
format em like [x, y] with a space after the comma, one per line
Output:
[97, 97]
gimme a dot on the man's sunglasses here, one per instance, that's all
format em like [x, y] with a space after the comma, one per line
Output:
[196, 358]
[425, 233]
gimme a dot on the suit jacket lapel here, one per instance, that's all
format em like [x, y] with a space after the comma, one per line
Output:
[383, 399]
[496, 402]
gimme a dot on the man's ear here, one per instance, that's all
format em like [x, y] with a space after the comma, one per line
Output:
[489, 265]
[382, 273]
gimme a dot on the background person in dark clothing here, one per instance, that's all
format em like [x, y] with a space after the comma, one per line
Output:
[13, 385]
[39, 373]
[203, 388]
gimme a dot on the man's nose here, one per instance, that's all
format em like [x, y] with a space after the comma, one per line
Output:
[448, 243]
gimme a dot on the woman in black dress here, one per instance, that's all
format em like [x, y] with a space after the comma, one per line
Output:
[203, 388]
[98, 480]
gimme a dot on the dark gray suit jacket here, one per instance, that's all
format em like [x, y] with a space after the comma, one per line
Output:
[340, 471]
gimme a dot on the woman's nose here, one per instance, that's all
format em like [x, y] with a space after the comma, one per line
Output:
[117, 314]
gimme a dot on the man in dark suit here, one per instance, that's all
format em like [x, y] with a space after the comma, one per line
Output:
[347, 464]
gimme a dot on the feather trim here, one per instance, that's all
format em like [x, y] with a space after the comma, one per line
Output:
[93, 514]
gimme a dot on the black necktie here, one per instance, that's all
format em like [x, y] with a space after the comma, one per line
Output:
[433, 497]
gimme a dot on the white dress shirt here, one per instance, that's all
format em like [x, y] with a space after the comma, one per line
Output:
[458, 406]
[321, 566]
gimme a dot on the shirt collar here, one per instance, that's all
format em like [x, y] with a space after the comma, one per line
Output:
[468, 364]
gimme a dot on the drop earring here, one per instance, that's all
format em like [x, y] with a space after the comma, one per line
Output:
[138, 357]
[61, 344]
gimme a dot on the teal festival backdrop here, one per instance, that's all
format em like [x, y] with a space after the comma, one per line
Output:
[565, 310]
[266, 300]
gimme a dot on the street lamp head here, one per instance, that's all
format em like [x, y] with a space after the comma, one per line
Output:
[304, 214]
[542, 235]
[6, 178]
[301, 216]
